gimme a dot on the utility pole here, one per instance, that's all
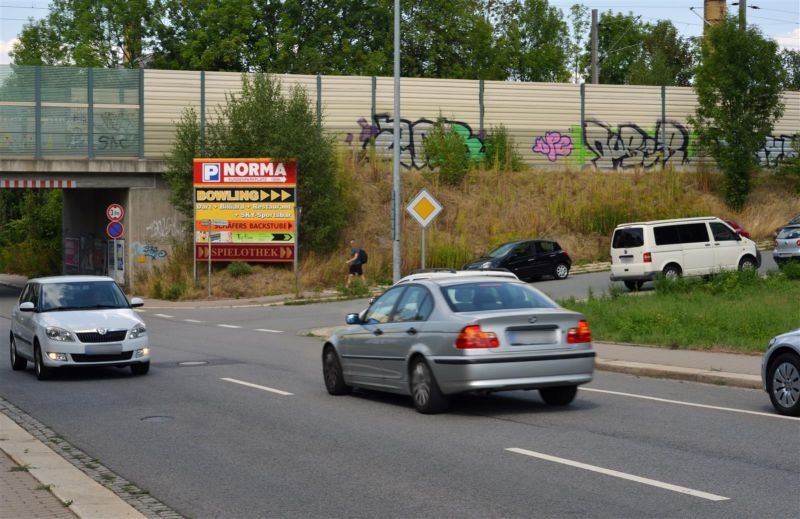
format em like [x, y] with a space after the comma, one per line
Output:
[595, 68]
[742, 15]
[714, 11]
[396, 253]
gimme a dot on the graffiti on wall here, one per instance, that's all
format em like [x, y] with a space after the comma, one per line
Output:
[144, 250]
[165, 227]
[628, 145]
[776, 149]
[553, 145]
[412, 138]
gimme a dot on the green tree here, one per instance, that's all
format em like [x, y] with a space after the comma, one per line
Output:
[738, 85]
[30, 243]
[791, 64]
[534, 41]
[88, 33]
[263, 122]
[580, 25]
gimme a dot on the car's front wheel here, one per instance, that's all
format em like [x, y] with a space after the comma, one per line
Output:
[17, 363]
[141, 368]
[42, 372]
[561, 271]
[748, 263]
[557, 396]
[428, 398]
[333, 374]
[784, 384]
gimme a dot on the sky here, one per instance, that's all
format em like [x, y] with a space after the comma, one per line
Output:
[777, 19]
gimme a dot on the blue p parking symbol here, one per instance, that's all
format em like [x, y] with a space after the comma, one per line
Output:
[211, 172]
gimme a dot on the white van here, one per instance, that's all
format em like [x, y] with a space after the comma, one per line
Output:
[684, 247]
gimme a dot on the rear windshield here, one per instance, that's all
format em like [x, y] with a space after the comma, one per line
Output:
[789, 233]
[628, 238]
[493, 295]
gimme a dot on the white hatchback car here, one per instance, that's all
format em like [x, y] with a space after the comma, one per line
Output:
[68, 321]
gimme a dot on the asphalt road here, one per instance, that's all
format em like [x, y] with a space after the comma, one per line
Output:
[224, 449]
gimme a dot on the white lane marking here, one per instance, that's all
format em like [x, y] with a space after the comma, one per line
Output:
[165, 316]
[192, 321]
[268, 330]
[621, 475]
[264, 388]
[228, 326]
[691, 404]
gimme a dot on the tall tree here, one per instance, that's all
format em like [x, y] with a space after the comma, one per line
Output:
[534, 41]
[791, 64]
[89, 33]
[580, 25]
[620, 46]
[738, 85]
[667, 58]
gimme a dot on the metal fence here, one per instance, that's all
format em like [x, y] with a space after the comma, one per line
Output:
[49, 112]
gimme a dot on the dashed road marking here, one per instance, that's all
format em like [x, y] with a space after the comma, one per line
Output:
[621, 475]
[192, 321]
[263, 388]
[228, 326]
[165, 316]
[691, 404]
[268, 330]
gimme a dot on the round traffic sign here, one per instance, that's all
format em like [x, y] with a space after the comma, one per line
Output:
[115, 230]
[115, 212]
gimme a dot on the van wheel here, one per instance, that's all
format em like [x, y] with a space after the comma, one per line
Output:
[634, 285]
[747, 263]
[671, 272]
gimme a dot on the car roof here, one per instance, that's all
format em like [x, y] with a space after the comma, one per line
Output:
[674, 220]
[445, 275]
[69, 279]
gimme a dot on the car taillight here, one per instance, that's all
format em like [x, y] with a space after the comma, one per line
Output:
[776, 244]
[798, 243]
[580, 333]
[473, 337]
[647, 258]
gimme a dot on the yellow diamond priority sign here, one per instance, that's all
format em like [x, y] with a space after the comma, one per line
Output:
[424, 208]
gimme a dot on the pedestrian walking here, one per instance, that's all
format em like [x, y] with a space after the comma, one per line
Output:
[356, 262]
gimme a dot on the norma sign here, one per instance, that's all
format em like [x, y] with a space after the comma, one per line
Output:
[424, 208]
[115, 230]
[255, 199]
[115, 212]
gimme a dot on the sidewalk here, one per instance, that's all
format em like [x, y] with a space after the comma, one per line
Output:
[37, 482]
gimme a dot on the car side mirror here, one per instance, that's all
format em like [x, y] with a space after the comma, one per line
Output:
[352, 319]
[136, 302]
[27, 306]
[738, 236]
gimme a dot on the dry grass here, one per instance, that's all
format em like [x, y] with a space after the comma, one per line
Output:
[577, 208]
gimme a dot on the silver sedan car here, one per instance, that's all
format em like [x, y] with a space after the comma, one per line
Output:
[434, 335]
[780, 372]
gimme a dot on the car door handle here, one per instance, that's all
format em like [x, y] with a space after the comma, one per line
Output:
[411, 331]
[378, 331]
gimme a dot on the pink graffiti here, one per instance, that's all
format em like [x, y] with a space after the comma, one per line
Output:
[553, 145]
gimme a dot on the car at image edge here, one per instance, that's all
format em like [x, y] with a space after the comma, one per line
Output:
[787, 245]
[780, 372]
[71, 321]
[432, 336]
[528, 259]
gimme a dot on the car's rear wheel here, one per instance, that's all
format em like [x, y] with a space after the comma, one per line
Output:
[140, 368]
[784, 384]
[634, 285]
[428, 398]
[17, 363]
[333, 374]
[561, 271]
[42, 372]
[561, 395]
[671, 272]
[747, 263]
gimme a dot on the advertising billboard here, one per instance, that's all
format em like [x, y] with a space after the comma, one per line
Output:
[246, 207]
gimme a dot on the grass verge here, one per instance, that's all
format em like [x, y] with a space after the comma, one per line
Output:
[731, 311]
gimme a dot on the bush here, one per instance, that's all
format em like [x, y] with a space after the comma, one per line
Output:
[238, 269]
[447, 152]
[356, 290]
[500, 151]
[175, 291]
[791, 270]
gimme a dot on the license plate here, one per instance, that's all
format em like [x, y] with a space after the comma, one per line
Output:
[531, 337]
[103, 349]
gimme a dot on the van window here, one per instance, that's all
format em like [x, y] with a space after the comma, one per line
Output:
[722, 232]
[693, 232]
[628, 238]
[666, 235]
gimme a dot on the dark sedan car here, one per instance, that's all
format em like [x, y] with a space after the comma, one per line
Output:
[528, 259]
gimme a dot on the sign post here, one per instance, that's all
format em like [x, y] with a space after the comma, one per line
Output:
[424, 208]
[211, 224]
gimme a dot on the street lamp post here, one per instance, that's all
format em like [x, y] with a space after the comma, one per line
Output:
[396, 149]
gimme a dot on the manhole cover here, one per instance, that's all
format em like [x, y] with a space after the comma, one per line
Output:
[193, 363]
[157, 419]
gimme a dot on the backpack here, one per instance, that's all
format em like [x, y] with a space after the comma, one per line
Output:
[362, 256]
